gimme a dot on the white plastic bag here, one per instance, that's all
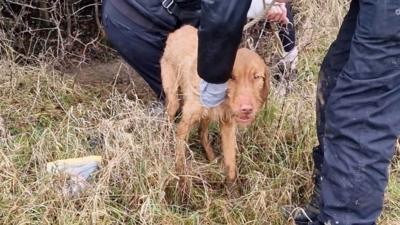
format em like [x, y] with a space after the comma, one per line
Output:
[79, 169]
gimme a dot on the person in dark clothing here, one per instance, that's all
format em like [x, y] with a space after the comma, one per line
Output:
[358, 119]
[138, 29]
[287, 34]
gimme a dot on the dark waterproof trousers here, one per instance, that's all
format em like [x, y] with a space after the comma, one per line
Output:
[287, 34]
[358, 110]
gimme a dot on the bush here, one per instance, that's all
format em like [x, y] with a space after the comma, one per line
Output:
[61, 29]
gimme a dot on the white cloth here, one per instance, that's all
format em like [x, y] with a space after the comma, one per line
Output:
[256, 7]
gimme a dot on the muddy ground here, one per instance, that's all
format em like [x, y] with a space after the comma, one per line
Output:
[113, 75]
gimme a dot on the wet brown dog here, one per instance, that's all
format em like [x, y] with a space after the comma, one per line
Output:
[247, 92]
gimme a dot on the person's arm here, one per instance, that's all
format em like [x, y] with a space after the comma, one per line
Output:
[220, 32]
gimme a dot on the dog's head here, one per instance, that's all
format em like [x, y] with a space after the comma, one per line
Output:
[248, 87]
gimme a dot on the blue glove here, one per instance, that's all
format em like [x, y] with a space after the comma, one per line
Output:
[212, 95]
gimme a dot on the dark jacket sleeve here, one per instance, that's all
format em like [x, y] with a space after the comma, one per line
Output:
[220, 32]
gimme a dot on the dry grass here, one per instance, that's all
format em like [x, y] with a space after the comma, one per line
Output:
[45, 117]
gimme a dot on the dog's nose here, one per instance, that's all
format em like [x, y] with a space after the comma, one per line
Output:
[246, 109]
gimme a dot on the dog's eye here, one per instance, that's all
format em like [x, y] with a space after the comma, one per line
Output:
[257, 76]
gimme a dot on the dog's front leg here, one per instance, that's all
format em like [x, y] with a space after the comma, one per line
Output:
[205, 139]
[182, 133]
[229, 145]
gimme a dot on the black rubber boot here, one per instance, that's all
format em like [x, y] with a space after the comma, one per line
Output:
[310, 212]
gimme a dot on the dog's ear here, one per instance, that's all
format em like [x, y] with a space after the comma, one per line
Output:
[266, 85]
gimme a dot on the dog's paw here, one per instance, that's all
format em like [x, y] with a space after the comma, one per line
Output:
[184, 187]
[233, 189]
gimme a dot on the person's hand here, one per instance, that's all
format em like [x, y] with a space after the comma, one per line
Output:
[278, 13]
[212, 95]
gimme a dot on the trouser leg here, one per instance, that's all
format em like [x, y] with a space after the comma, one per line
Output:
[332, 65]
[362, 119]
[287, 34]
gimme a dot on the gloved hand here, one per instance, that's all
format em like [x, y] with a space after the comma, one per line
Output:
[212, 95]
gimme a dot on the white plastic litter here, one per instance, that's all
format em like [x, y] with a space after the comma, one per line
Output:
[79, 169]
